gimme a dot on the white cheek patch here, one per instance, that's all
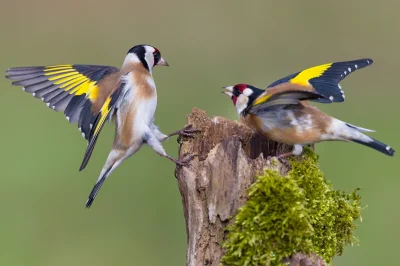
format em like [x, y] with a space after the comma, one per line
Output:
[241, 103]
[247, 92]
[149, 57]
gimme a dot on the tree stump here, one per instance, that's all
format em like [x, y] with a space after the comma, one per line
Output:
[215, 185]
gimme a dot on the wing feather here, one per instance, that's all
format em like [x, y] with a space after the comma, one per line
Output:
[284, 98]
[44, 91]
[108, 107]
[69, 88]
[324, 79]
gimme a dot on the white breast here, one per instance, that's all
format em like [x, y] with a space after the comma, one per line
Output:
[144, 108]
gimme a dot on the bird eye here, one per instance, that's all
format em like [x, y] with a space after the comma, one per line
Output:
[157, 57]
[236, 92]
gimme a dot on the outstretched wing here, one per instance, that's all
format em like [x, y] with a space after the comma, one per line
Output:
[106, 111]
[72, 89]
[267, 102]
[324, 79]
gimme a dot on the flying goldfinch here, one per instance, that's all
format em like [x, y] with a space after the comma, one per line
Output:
[91, 94]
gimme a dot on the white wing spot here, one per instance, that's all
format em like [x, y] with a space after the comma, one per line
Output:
[33, 94]
[90, 125]
[248, 92]
[349, 69]
[345, 72]
[83, 134]
[54, 107]
[42, 99]
[340, 88]
[356, 66]
[388, 148]
[48, 104]
[80, 129]
[368, 62]
[23, 88]
[343, 96]
[67, 117]
[331, 98]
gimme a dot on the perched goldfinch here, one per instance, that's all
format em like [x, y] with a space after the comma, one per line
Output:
[282, 113]
[92, 94]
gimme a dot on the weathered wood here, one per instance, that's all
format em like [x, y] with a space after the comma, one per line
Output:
[215, 185]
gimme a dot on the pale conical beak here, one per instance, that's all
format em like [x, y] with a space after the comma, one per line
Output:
[229, 91]
[229, 88]
[162, 62]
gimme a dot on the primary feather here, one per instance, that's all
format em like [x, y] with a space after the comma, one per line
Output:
[324, 79]
[69, 88]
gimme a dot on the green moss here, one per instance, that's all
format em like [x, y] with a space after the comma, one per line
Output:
[300, 212]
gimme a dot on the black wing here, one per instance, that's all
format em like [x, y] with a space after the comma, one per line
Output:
[324, 79]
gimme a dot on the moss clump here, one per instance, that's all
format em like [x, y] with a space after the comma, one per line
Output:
[300, 212]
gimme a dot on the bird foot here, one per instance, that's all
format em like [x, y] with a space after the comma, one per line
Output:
[282, 158]
[185, 161]
[284, 161]
[187, 131]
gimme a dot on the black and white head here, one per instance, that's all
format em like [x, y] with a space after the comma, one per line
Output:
[242, 95]
[148, 55]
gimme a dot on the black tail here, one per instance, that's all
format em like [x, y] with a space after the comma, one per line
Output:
[96, 189]
[377, 145]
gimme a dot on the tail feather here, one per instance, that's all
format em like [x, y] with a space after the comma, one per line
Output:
[360, 129]
[97, 187]
[376, 145]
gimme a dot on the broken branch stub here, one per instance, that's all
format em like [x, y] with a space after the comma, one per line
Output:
[215, 184]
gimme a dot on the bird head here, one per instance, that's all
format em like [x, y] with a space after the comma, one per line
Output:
[242, 95]
[148, 55]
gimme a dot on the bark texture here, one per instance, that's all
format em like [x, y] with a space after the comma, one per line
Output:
[215, 185]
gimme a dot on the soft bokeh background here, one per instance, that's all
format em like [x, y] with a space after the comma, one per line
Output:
[137, 218]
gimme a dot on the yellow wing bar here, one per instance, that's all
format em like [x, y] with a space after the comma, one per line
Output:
[324, 79]
[72, 81]
[69, 88]
[262, 99]
[304, 76]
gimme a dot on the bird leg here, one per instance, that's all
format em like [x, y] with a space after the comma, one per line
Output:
[297, 150]
[187, 131]
[151, 138]
[284, 155]
[183, 162]
[282, 158]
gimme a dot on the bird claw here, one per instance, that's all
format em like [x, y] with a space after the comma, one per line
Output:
[188, 131]
[283, 160]
[185, 161]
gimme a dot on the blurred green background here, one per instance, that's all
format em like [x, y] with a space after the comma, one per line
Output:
[137, 218]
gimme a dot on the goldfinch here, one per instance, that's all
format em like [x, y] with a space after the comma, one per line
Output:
[92, 94]
[282, 112]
